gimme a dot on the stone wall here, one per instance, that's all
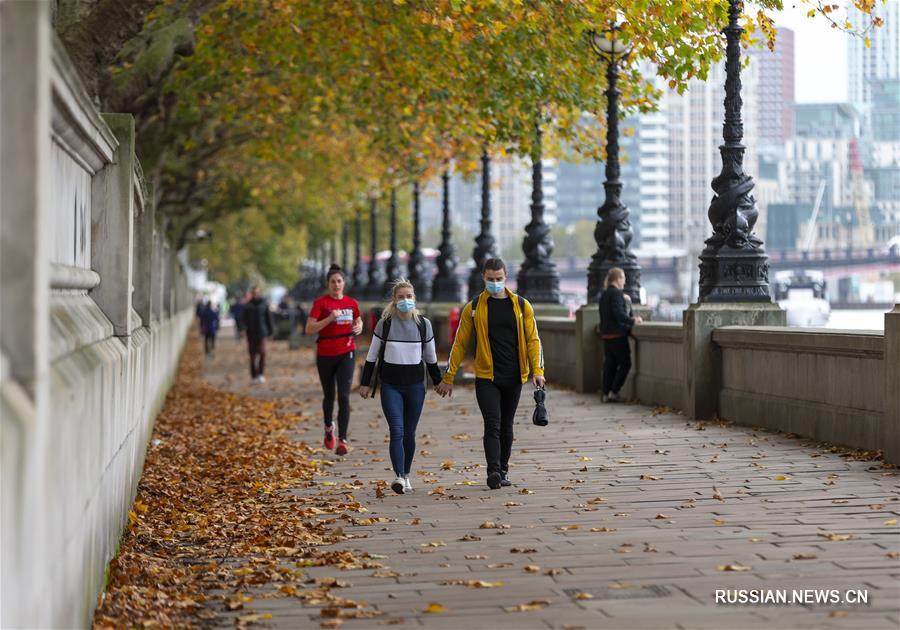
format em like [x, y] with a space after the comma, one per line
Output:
[95, 311]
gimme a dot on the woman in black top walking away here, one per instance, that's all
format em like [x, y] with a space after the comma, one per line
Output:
[403, 341]
[615, 326]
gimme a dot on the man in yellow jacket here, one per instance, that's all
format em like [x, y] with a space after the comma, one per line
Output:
[507, 351]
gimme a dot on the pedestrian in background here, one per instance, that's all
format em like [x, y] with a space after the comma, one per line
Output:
[209, 326]
[507, 351]
[336, 319]
[402, 348]
[236, 311]
[616, 322]
[258, 325]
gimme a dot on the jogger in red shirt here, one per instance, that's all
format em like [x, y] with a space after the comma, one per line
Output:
[336, 318]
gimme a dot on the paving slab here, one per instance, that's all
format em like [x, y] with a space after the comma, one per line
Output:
[680, 508]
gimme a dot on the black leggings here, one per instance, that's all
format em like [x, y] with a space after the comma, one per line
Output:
[336, 371]
[616, 363]
[498, 403]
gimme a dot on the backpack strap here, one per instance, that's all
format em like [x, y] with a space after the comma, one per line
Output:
[385, 331]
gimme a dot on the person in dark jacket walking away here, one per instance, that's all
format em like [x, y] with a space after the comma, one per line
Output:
[615, 326]
[209, 326]
[336, 319]
[507, 351]
[404, 340]
[258, 324]
[237, 310]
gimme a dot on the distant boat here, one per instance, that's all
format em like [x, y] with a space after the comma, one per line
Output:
[802, 295]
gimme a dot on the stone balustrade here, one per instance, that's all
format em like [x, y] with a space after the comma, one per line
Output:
[94, 308]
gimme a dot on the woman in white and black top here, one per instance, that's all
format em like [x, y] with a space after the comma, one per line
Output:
[403, 341]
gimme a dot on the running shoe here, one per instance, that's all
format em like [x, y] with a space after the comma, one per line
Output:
[493, 480]
[407, 487]
[398, 485]
[329, 438]
[342, 447]
[504, 480]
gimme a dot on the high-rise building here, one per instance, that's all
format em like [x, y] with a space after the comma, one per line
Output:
[775, 73]
[881, 60]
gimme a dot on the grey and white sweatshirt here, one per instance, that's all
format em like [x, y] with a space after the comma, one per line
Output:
[404, 353]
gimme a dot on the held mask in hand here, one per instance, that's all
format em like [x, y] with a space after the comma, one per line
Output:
[406, 305]
[540, 417]
[494, 287]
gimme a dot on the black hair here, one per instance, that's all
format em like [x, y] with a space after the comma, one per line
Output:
[335, 268]
[494, 264]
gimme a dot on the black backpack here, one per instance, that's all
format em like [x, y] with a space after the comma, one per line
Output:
[385, 331]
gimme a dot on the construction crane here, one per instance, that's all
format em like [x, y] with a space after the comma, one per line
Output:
[865, 229]
[809, 238]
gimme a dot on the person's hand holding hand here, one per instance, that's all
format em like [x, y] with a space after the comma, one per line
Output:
[444, 389]
[364, 391]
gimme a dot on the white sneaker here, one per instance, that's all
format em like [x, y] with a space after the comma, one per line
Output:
[407, 487]
[262, 379]
[398, 485]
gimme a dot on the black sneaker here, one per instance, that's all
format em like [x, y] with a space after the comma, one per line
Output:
[494, 480]
[504, 480]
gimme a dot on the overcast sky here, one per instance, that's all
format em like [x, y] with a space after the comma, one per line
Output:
[820, 55]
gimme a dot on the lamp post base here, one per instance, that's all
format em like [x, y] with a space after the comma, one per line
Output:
[539, 285]
[734, 275]
[445, 290]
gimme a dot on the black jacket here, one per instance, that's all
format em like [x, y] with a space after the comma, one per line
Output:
[614, 317]
[258, 319]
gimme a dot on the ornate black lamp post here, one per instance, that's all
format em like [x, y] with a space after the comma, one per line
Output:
[485, 244]
[538, 279]
[358, 279]
[392, 269]
[415, 268]
[613, 232]
[446, 285]
[376, 277]
[734, 266]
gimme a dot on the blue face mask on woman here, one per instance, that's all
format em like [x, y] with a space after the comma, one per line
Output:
[406, 305]
[494, 287]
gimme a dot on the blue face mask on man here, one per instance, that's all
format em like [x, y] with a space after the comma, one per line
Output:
[406, 305]
[494, 287]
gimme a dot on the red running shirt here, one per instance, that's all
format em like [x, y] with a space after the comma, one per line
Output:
[337, 337]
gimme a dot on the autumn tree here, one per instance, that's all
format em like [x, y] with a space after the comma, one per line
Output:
[277, 119]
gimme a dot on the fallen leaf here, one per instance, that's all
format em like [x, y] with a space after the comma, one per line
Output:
[716, 494]
[469, 537]
[488, 525]
[836, 537]
[582, 595]
[535, 604]
[475, 557]
[525, 491]
[603, 529]
[890, 521]
[522, 550]
[649, 478]
[734, 567]
[532, 568]
[434, 608]
[804, 556]
[782, 477]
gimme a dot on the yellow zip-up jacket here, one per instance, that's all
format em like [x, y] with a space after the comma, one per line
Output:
[531, 354]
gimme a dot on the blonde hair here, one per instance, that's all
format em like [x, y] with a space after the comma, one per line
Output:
[612, 275]
[391, 309]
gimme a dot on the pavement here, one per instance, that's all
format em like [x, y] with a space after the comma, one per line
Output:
[620, 516]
